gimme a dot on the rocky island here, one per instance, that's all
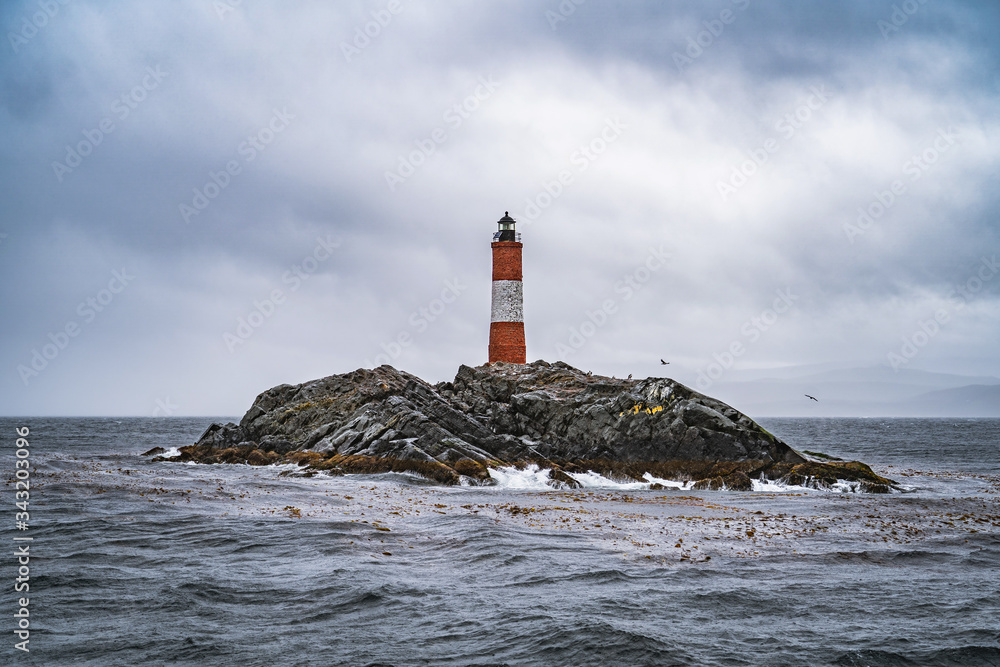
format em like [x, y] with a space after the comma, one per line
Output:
[554, 416]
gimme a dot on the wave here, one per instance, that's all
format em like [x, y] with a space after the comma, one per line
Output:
[533, 477]
[772, 486]
[840, 486]
[961, 656]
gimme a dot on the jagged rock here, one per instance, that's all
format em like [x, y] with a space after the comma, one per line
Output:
[511, 414]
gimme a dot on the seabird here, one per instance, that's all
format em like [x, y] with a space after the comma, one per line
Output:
[812, 397]
[664, 363]
[629, 376]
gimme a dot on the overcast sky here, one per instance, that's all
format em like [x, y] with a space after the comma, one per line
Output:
[205, 199]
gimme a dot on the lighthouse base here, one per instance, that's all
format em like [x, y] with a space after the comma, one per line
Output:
[507, 342]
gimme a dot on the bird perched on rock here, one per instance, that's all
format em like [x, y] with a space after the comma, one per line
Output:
[629, 376]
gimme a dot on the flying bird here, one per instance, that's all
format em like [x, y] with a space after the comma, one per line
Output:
[812, 397]
[664, 363]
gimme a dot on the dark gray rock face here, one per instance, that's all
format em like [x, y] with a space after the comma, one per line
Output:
[500, 414]
[567, 415]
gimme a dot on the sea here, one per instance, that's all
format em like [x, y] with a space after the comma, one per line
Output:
[136, 562]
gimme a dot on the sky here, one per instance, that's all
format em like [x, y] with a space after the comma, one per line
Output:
[205, 199]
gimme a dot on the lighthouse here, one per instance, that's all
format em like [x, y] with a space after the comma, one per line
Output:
[507, 318]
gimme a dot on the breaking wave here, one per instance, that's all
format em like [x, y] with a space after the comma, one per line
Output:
[533, 477]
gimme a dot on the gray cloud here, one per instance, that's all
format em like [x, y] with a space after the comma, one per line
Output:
[186, 138]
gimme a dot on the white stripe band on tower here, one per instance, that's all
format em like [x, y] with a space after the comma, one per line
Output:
[507, 301]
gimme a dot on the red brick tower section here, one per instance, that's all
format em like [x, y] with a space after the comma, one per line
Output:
[507, 317]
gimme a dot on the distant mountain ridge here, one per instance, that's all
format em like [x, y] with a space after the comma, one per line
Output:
[875, 391]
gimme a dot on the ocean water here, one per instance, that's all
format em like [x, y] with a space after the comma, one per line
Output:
[141, 563]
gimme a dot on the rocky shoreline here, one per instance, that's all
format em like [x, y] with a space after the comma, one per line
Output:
[499, 415]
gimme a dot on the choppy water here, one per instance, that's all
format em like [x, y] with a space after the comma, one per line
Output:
[142, 563]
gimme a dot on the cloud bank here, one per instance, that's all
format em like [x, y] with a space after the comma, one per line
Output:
[205, 199]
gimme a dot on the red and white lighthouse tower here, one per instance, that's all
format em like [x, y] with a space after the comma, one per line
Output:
[507, 319]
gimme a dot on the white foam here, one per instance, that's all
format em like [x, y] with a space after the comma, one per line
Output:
[843, 486]
[771, 486]
[509, 477]
[592, 480]
[533, 477]
[684, 486]
[840, 486]
[171, 453]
